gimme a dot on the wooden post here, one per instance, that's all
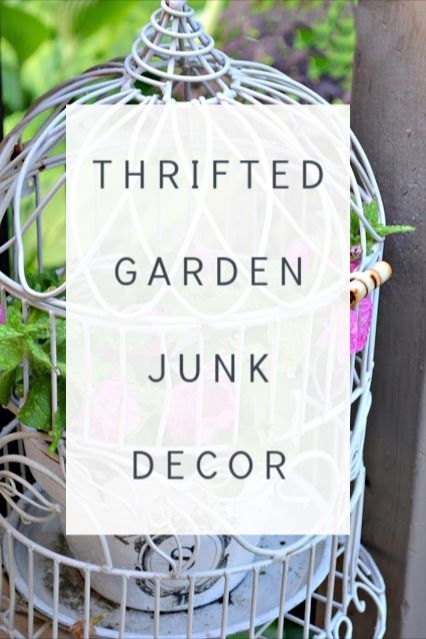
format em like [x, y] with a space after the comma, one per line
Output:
[389, 116]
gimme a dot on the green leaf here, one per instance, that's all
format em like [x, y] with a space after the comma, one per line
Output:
[60, 418]
[13, 93]
[38, 357]
[7, 381]
[304, 38]
[24, 31]
[14, 320]
[394, 228]
[12, 120]
[8, 331]
[85, 17]
[61, 350]
[60, 331]
[37, 410]
[317, 66]
[37, 324]
[35, 315]
[371, 214]
[43, 281]
[11, 351]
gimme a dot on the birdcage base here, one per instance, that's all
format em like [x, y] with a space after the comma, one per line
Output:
[49, 547]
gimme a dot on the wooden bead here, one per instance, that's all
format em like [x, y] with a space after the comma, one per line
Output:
[364, 283]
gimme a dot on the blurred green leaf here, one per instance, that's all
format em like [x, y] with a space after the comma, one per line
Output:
[7, 382]
[330, 42]
[304, 37]
[13, 94]
[24, 31]
[12, 120]
[318, 66]
[259, 6]
[85, 17]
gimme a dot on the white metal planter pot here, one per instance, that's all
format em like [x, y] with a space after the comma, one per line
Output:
[263, 582]
[160, 554]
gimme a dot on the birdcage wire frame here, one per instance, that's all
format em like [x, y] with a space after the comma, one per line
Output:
[172, 59]
[347, 576]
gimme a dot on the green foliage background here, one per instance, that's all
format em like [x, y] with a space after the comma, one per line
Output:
[44, 42]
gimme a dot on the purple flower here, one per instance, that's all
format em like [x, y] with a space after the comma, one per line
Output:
[360, 324]
[360, 319]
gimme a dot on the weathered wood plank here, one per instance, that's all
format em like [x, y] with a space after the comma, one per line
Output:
[389, 116]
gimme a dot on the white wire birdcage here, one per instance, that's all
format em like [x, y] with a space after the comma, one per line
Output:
[172, 59]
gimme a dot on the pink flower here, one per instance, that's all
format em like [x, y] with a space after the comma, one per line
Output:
[110, 398]
[360, 324]
[360, 320]
[218, 412]
[354, 265]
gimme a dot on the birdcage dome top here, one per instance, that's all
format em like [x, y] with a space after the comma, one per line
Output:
[172, 59]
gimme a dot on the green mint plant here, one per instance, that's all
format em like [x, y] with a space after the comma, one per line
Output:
[371, 213]
[330, 41]
[31, 339]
